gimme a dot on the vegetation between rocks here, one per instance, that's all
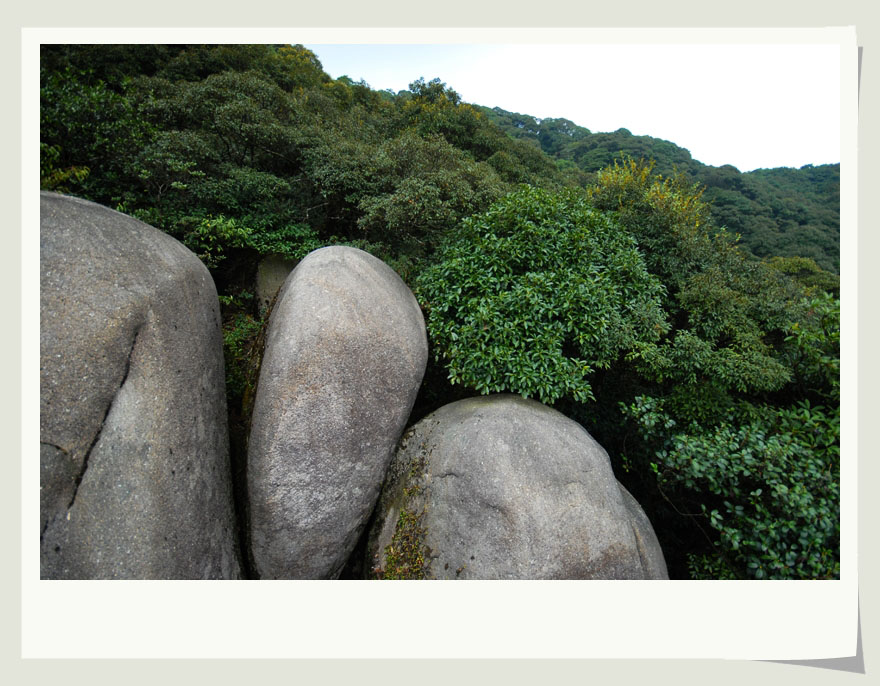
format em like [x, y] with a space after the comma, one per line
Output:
[405, 555]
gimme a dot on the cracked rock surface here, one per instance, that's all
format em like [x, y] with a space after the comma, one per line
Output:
[134, 456]
[501, 487]
[345, 353]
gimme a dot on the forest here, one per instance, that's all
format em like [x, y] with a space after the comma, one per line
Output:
[686, 315]
[776, 212]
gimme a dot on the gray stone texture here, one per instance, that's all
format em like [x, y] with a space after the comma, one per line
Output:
[272, 272]
[345, 353]
[134, 456]
[508, 488]
[650, 552]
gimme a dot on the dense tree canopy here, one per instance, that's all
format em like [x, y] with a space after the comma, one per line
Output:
[549, 260]
[783, 212]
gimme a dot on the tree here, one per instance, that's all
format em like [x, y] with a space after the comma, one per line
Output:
[767, 479]
[535, 294]
[733, 413]
[88, 131]
[426, 186]
[726, 309]
[433, 92]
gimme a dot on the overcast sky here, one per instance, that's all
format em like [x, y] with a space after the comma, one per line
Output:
[751, 106]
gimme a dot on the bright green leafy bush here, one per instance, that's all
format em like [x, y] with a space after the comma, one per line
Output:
[212, 236]
[535, 294]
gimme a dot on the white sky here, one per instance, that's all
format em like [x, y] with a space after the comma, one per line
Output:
[751, 106]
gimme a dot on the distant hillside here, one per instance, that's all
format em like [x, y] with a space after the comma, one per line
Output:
[785, 212]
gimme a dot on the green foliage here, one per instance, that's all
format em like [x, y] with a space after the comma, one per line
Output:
[566, 141]
[665, 214]
[54, 179]
[726, 403]
[87, 131]
[293, 242]
[765, 478]
[428, 186]
[163, 168]
[813, 348]
[535, 294]
[726, 309]
[770, 489]
[810, 275]
[435, 110]
[784, 212]
[239, 333]
[793, 213]
[627, 292]
[211, 236]
[261, 136]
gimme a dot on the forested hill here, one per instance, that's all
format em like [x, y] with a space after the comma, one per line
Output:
[785, 212]
[139, 106]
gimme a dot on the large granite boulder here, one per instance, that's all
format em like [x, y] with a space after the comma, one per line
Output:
[501, 487]
[345, 353]
[650, 553]
[134, 456]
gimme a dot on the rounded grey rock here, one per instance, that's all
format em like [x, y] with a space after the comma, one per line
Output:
[501, 487]
[135, 479]
[650, 551]
[272, 272]
[345, 354]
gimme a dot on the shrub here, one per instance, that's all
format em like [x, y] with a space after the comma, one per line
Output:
[728, 312]
[239, 333]
[211, 237]
[769, 488]
[535, 294]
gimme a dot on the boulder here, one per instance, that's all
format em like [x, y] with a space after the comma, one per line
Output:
[134, 456]
[345, 354]
[501, 487]
[650, 552]
[272, 272]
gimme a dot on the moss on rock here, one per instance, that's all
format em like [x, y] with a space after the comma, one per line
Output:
[405, 555]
